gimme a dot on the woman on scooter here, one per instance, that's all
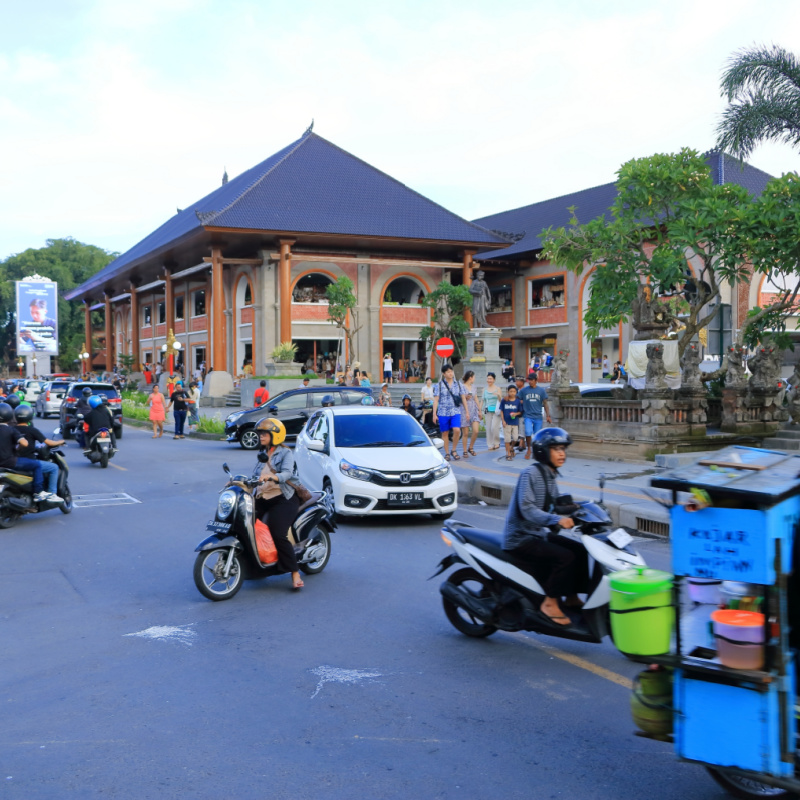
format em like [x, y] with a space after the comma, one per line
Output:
[276, 500]
[560, 564]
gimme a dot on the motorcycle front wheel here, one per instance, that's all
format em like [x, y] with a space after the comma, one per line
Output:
[323, 542]
[67, 506]
[747, 788]
[460, 618]
[208, 577]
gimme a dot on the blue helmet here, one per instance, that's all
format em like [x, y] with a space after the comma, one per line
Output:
[367, 400]
[95, 401]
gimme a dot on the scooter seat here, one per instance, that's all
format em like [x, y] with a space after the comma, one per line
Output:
[490, 541]
[313, 500]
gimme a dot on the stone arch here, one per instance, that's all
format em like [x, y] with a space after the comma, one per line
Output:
[379, 291]
[311, 284]
[243, 290]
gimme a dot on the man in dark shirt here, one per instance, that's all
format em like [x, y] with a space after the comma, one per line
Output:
[24, 416]
[100, 417]
[82, 407]
[10, 437]
[179, 399]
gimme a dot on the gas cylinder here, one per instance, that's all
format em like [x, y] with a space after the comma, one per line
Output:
[651, 702]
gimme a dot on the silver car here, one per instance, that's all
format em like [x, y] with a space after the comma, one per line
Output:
[49, 400]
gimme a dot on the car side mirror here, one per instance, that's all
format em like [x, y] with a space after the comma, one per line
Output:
[438, 443]
[272, 409]
[316, 445]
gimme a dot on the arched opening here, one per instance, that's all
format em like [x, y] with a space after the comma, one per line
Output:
[317, 355]
[310, 288]
[403, 291]
[243, 323]
[404, 356]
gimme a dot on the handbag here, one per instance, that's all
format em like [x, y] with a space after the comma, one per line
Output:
[302, 492]
[265, 545]
[456, 397]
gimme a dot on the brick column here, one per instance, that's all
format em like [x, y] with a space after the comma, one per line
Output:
[169, 301]
[109, 335]
[218, 343]
[284, 289]
[87, 324]
[135, 327]
[466, 273]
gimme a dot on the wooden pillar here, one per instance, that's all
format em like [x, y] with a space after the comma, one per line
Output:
[284, 289]
[466, 279]
[218, 344]
[109, 334]
[135, 327]
[87, 324]
[169, 301]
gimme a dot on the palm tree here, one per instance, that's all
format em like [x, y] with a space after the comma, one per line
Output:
[762, 86]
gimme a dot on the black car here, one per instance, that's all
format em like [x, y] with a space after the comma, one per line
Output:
[74, 393]
[292, 408]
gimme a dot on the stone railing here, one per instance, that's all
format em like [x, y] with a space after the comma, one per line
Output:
[600, 410]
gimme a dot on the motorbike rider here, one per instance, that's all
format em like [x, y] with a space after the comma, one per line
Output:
[82, 407]
[10, 437]
[23, 415]
[99, 416]
[408, 406]
[276, 500]
[327, 401]
[559, 563]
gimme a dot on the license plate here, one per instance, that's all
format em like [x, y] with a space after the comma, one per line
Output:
[404, 499]
[218, 527]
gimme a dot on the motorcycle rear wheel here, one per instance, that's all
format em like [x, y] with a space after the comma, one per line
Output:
[319, 564]
[746, 788]
[8, 519]
[460, 618]
[103, 460]
[207, 574]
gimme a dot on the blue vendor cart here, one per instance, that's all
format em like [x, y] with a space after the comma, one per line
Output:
[734, 520]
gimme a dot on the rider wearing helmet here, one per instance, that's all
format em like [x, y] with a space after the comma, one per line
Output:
[560, 564]
[82, 407]
[407, 405]
[10, 437]
[23, 415]
[13, 400]
[99, 417]
[367, 400]
[327, 401]
[276, 500]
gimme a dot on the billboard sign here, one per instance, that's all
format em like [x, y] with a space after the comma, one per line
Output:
[37, 316]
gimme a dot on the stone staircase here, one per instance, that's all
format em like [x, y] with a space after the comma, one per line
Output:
[233, 399]
[787, 438]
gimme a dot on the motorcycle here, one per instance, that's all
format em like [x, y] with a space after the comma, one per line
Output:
[230, 555]
[494, 592]
[16, 490]
[431, 428]
[98, 448]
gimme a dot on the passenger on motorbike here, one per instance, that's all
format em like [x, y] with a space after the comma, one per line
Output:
[23, 415]
[99, 417]
[560, 564]
[82, 407]
[10, 437]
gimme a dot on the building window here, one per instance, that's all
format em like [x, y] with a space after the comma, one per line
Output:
[501, 297]
[248, 295]
[147, 315]
[179, 307]
[200, 302]
[162, 313]
[403, 292]
[546, 293]
[311, 288]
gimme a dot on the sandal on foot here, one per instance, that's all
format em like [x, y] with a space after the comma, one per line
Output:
[466, 454]
[298, 585]
[456, 457]
[509, 458]
[472, 452]
[447, 456]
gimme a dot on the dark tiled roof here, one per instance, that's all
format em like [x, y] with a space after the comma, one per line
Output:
[311, 186]
[591, 203]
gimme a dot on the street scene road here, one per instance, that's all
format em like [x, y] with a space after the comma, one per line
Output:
[120, 680]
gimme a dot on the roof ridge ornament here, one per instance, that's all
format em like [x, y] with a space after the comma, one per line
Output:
[310, 127]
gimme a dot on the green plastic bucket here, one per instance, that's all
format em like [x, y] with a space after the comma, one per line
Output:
[642, 616]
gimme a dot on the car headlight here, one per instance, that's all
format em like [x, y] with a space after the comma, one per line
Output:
[440, 472]
[352, 471]
[233, 417]
[225, 504]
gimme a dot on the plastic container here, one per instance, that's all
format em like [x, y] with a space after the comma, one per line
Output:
[740, 638]
[642, 615]
[739, 595]
[704, 590]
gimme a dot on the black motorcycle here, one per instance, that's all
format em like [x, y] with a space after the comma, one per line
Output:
[16, 490]
[98, 448]
[230, 554]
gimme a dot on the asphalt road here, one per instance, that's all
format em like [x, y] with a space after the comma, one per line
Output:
[119, 680]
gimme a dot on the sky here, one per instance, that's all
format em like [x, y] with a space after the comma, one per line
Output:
[113, 114]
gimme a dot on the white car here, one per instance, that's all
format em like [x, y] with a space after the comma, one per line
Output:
[375, 460]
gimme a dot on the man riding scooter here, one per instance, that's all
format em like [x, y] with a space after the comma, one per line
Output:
[558, 563]
[23, 415]
[99, 417]
[82, 407]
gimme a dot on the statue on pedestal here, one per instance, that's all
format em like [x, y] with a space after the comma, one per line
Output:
[691, 382]
[765, 366]
[655, 379]
[481, 300]
[560, 376]
[651, 319]
[735, 377]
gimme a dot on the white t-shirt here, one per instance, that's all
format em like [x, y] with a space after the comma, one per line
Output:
[387, 364]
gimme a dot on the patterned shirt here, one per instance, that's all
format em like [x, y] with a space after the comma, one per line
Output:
[447, 406]
[527, 516]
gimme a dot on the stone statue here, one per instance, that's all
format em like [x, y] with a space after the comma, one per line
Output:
[560, 376]
[481, 300]
[794, 396]
[691, 380]
[651, 319]
[735, 377]
[765, 366]
[655, 377]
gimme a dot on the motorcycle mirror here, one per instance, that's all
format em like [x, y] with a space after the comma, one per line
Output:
[262, 457]
[226, 469]
[602, 482]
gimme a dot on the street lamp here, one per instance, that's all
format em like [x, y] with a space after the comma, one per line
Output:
[84, 357]
[33, 361]
[172, 347]
[20, 364]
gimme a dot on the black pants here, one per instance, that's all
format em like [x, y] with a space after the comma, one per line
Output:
[279, 514]
[561, 565]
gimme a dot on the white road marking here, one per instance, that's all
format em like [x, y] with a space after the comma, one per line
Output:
[328, 674]
[175, 633]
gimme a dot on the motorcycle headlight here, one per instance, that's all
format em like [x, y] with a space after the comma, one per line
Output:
[225, 504]
[440, 472]
[352, 471]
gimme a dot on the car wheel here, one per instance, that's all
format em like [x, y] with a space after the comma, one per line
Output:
[249, 439]
[327, 487]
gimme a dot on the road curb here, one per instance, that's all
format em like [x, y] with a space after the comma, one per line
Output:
[143, 425]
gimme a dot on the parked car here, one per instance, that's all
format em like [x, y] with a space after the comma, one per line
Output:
[375, 460]
[292, 408]
[73, 393]
[604, 391]
[50, 398]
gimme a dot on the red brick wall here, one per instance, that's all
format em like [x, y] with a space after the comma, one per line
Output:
[547, 316]
[310, 312]
[200, 323]
[501, 319]
[408, 314]
[180, 326]
[246, 315]
[146, 333]
[161, 330]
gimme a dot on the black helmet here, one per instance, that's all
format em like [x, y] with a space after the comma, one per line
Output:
[547, 438]
[13, 401]
[23, 413]
[87, 391]
[327, 400]
[104, 398]
[6, 413]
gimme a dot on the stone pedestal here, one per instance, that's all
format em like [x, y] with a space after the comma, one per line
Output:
[216, 386]
[483, 355]
[283, 368]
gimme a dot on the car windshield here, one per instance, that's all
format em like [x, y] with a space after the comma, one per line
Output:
[378, 430]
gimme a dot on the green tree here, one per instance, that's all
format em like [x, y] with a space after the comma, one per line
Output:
[69, 263]
[668, 213]
[448, 304]
[343, 310]
[762, 86]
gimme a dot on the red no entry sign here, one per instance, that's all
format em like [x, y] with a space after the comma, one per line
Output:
[444, 348]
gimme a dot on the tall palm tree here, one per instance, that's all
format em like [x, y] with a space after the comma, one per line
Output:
[762, 86]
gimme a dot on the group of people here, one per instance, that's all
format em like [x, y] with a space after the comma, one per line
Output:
[184, 404]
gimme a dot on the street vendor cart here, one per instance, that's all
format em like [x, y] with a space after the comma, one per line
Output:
[734, 523]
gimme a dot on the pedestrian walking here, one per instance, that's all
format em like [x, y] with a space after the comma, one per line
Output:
[157, 411]
[534, 406]
[471, 415]
[490, 403]
[178, 404]
[194, 407]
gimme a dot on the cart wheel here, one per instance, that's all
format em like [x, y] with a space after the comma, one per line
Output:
[747, 788]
